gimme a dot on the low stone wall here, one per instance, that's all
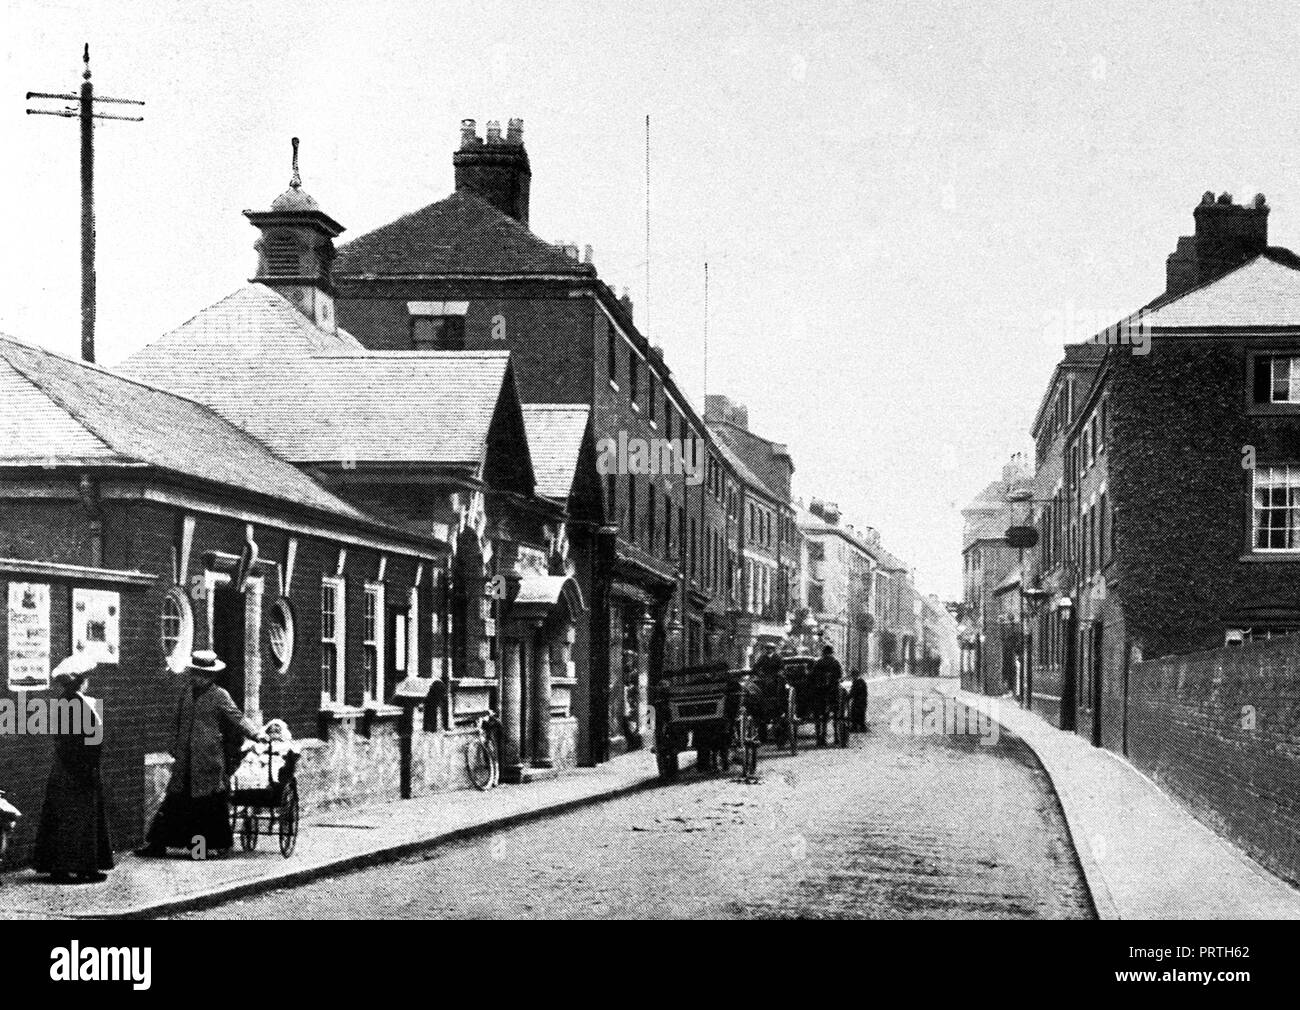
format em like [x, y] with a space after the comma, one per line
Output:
[1220, 730]
[353, 766]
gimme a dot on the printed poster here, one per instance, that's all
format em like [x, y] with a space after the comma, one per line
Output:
[29, 636]
[95, 619]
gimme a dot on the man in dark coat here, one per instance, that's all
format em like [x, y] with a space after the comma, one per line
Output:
[196, 810]
[73, 838]
[858, 704]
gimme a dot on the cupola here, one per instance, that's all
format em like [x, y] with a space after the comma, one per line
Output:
[296, 250]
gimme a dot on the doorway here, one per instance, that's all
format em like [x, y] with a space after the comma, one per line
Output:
[228, 638]
[1096, 683]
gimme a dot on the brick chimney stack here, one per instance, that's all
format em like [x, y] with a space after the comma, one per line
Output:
[723, 408]
[1227, 234]
[497, 170]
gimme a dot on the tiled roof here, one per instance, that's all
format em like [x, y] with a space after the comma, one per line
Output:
[735, 461]
[555, 433]
[317, 397]
[461, 234]
[63, 412]
[249, 329]
[756, 452]
[1264, 291]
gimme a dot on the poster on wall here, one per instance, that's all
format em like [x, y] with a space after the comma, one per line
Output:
[95, 614]
[29, 636]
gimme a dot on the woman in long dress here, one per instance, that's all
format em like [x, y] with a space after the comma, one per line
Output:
[73, 838]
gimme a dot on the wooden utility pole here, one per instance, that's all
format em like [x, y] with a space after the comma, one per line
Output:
[84, 111]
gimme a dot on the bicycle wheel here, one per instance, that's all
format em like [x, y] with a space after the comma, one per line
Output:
[478, 763]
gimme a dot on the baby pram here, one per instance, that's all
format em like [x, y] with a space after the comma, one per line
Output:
[264, 793]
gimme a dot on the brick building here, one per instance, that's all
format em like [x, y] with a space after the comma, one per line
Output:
[1193, 408]
[989, 643]
[433, 440]
[141, 525]
[754, 486]
[1051, 566]
[466, 272]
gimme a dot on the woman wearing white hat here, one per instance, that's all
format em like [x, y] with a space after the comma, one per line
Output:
[196, 810]
[73, 838]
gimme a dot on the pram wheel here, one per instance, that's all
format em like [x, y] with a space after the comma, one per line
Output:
[288, 818]
[248, 831]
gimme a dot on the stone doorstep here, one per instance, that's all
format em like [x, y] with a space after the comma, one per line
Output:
[528, 773]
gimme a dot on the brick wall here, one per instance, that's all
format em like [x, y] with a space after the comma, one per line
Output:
[1221, 731]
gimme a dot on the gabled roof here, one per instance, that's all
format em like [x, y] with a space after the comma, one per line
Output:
[462, 234]
[315, 396]
[758, 453]
[737, 463]
[1264, 291]
[58, 412]
[555, 433]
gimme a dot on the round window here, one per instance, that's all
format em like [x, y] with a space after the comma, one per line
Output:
[176, 630]
[281, 633]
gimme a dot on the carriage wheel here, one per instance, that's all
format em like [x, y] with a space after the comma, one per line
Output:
[289, 819]
[842, 734]
[792, 720]
[248, 830]
[665, 756]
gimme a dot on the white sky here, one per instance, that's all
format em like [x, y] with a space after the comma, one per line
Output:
[896, 199]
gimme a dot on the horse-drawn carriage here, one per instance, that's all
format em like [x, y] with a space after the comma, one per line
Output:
[708, 709]
[795, 692]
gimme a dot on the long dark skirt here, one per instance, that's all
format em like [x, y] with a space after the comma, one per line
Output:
[182, 820]
[73, 835]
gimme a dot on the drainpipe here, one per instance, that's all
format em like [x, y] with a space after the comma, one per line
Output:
[88, 491]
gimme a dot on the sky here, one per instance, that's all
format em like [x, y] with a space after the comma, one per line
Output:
[906, 208]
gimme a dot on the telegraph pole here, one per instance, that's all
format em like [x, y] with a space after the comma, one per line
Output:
[84, 111]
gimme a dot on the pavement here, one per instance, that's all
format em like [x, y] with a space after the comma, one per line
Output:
[1143, 855]
[331, 842]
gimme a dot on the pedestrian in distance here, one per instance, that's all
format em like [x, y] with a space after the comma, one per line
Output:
[858, 703]
[195, 814]
[73, 839]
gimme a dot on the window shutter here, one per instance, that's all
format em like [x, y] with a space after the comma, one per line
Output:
[1262, 378]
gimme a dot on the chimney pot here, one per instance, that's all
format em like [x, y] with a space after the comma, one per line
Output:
[1225, 198]
[1207, 197]
[1260, 202]
[586, 254]
[497, 172]
[515, 131]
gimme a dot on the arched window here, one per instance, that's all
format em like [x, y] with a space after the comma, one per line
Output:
[176, 628]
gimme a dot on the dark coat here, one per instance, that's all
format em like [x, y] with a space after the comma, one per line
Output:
[199, 747]
[73, 835]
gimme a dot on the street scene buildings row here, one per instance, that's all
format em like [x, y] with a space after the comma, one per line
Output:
[376, 481]
[1136, 582]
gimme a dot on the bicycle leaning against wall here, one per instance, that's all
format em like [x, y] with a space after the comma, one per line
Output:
[482, 757]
